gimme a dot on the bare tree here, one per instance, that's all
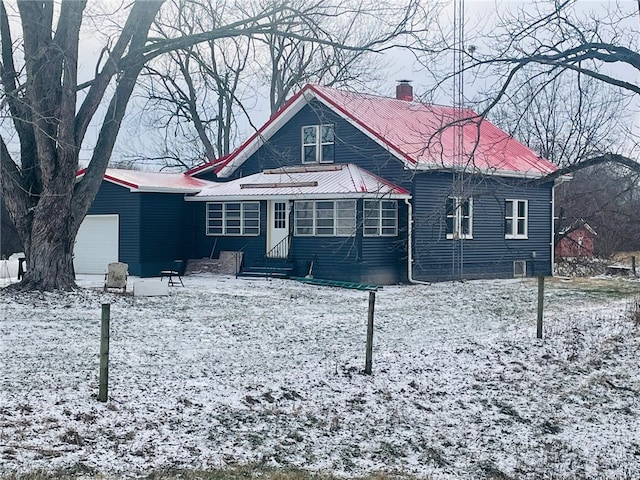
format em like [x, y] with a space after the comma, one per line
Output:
[571, 119]
[291, 61]
[197, 93]
[531, 47]
[50, 114]
[193, 92]
[607, 199]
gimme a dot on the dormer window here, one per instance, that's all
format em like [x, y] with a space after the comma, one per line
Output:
[318, 143]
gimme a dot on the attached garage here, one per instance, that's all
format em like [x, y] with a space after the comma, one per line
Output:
[139, 218]
[96, 244]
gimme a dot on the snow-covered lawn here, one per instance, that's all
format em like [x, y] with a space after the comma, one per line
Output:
[228, 371]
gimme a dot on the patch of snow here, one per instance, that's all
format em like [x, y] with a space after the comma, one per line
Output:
[227, 371]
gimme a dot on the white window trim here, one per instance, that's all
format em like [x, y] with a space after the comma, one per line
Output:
[224, 220]
[379, 218]
[514, 219]
[318, 143]
[457, 220]
[314, 225]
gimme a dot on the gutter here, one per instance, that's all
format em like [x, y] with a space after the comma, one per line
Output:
[410, 245]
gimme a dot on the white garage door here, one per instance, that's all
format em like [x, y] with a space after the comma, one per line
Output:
[96, 244]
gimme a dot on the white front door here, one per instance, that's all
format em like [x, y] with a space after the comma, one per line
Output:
[278, 231]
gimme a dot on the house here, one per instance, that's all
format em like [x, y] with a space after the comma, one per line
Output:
[356, 187]
[577, 241]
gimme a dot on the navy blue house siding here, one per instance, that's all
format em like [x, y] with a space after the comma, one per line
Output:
[162, 228]
[151, 232]
[488, 254]
[381, 260]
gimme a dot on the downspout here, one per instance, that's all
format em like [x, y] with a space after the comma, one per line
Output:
[410, 245]
[553, 228]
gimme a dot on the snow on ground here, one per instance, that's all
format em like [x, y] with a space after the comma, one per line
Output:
[228, 371]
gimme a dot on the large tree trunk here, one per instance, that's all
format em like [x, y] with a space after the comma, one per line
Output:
[50, 255]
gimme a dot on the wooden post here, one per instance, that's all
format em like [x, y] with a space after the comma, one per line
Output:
[103, 391]
[633, 265]
[369, 353]
[540, 304]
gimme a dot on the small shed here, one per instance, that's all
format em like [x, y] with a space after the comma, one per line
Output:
[577, 241]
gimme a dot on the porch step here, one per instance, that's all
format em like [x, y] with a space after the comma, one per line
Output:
[266, 272]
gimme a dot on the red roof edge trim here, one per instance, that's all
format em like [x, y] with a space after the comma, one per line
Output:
[120, 182]
[362, 125]
[207, 165]
[81, 172]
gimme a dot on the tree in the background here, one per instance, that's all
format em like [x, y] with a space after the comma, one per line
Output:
[570, 119]
[196, 94]
[561, 38]
[606, 198]
[288, 62]
[527, 48]
[192, 94]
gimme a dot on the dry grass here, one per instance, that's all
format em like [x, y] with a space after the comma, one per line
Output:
[602, 286]
[624, 258]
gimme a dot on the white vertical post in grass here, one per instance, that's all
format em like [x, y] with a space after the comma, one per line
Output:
[540, 304]
[103, 390]
[369, 353]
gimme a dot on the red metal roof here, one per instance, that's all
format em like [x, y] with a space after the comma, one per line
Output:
[421, 135]
[142, 181]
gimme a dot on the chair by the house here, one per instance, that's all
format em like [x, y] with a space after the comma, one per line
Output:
[176, 271]
[116, 276]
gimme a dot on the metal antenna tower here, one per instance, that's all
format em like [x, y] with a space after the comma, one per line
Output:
[458, 131]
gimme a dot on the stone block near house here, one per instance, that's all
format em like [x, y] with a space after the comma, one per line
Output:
[150, 288]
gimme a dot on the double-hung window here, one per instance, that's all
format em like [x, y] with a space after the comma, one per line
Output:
[326, 218]
[380, 218]
[516, 213]
[459, 218]
[233, 218]
[318, 142]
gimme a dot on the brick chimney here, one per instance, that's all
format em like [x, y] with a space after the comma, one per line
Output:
[404, 90]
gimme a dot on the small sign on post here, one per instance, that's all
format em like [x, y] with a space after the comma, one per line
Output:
[103, 389]
[540, 304]
[369, 354]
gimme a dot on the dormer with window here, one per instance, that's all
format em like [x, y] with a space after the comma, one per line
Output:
[318, 143]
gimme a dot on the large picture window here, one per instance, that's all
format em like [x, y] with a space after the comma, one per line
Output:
[233, 218]
[329, 218]
[380, 218]
[318, 143]
[516, 219]
[459, 218]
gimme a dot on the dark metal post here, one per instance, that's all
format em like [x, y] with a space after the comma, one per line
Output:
[103, 391]
[540, 304]
[369, 353]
